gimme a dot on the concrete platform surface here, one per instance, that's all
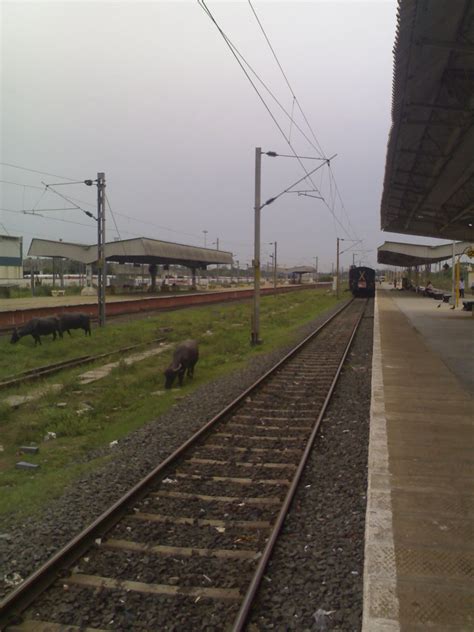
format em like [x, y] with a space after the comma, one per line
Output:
[419, 559]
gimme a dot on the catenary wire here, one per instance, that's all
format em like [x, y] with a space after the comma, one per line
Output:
[231, 48]
[284, 75]
[44, 173]
[304, 116]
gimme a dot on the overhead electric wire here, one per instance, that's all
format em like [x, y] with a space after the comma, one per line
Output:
[52, 219]
[254, 72]
[284, 76]
[287, 190]
[73, 200]
[231, 47]
[44, 173]
[19, 184]
[48, 187]
[116, 227]
[301, 110]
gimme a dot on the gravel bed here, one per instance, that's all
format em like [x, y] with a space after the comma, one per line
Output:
[314, 581]
[27, 544]
[239, 510]
[135, 612]
[155, 569]
[170, 534]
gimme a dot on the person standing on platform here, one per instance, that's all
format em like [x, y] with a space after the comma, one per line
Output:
[461, 287]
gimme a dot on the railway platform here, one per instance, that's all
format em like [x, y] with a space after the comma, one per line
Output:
[419, 558]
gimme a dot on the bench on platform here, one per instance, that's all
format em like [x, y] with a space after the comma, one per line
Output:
[58, 292]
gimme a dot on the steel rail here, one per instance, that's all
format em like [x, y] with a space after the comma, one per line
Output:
[244, 611]
[25, 594]
[49, 369]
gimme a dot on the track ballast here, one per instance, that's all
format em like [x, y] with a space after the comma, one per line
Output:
[184, 555]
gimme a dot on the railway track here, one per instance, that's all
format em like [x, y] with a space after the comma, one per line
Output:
[187, 547]
[50, 369]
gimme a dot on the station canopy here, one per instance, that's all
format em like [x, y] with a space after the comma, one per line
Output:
[429, 172]
[301, 270]
[140, 250]
[410, 255]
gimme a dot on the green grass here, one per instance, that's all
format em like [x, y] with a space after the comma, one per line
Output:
[125, 399]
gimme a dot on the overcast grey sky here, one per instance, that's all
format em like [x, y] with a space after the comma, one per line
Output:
[150, 94]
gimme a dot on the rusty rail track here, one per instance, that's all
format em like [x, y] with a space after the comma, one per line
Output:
[192, 510]
[49, 369]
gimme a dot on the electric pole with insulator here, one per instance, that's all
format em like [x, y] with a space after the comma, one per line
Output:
[102, 266]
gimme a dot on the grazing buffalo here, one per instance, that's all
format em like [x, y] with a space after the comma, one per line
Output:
[37, 327]
[74, 320]
[184, 358]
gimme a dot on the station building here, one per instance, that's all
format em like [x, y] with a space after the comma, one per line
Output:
[11, 259]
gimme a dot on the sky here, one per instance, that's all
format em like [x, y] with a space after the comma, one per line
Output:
[150, 94]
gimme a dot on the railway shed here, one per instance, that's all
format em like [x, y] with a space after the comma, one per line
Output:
[412, 255]
[429, 175]
[419, 524]
[140, 250]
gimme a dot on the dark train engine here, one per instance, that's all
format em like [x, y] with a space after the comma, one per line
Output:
[362, 281]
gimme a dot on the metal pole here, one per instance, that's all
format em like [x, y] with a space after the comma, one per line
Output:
[102, 271]
[255, 340]
[337, 269]
[458, 274]
[453, 272]
[32, 275]
[275, 267]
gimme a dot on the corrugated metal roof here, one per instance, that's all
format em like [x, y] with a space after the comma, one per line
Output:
[408, 255]
[429, 172]
[141, 250]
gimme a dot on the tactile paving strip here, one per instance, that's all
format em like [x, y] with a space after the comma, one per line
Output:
[445, 605]
[455, 506]
[455, 565]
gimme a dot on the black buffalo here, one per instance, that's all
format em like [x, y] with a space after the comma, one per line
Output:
[37, 327]
[75, 320]
[184, 358]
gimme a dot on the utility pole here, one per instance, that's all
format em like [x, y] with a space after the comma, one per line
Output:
[316, 260]
[102, 266]
[337, 269]
[274, 257]
[255, 339]
[61, 272]
[453, 273]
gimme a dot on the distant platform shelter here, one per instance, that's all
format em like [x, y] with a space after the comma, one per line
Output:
[412, 255]
[140, 251]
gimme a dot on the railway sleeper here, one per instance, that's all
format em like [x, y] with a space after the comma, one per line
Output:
[127, 562]
[213, 506]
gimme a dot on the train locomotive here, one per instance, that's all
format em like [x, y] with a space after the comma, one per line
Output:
[362, 281]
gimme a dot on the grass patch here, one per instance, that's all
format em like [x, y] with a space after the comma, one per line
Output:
[91, 416]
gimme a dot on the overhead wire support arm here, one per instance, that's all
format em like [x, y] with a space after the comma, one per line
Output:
[307, 194]
[287, 190]
[273, 154]
[76, 206]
